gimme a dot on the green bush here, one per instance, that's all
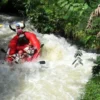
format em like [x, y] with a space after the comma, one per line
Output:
[96, 68]
[92, 91]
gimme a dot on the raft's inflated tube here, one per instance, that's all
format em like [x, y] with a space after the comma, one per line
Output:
[35, 42]
[32, 39]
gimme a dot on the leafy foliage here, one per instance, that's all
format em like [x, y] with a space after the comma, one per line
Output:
[92, 91]
[87, 40]
[66, 18]
[92, 3]
[47, 14]
[3, 2]
[96, 68]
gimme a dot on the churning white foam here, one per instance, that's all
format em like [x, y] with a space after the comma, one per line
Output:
[58, 79]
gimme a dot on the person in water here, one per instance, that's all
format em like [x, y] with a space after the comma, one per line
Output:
[18, 26]
[23, 41]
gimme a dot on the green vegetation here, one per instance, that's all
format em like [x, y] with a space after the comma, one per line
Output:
[3, 2]
[66, 18]
[92, 91]
[96, 68]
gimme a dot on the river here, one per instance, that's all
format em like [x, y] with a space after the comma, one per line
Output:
[57, 79]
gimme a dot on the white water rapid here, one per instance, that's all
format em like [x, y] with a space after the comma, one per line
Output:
[58, 79]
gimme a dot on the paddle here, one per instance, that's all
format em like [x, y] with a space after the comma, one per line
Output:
[42, 62]
[2, 50]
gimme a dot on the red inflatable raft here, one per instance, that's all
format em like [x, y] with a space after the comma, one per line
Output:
[14, 49]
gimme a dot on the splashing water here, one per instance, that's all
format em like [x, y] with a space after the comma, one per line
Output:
[58, 79]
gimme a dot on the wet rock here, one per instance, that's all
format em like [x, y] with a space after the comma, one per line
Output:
[98, 35]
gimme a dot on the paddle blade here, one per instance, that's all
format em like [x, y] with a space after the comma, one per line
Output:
[42, 45]
[2, 50]
[42, 62]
